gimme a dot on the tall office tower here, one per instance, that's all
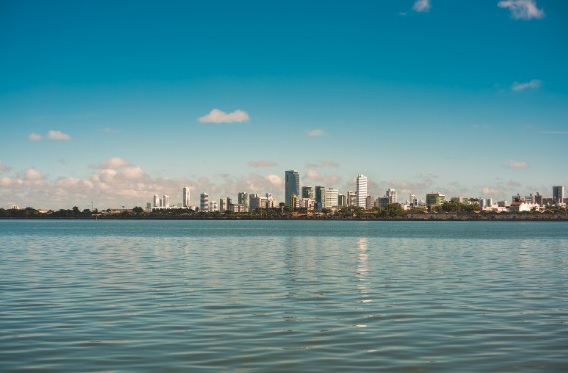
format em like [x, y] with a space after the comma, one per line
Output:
[361, 191]
[204, 202]
[331, 198]
[166, 201]
[223, 204]
[292, 185]
[185, 197]
[243, 199]
[319, 195]
[341, 200]
[308, 192]
[391, 195]
[156, 200]
[558, 194]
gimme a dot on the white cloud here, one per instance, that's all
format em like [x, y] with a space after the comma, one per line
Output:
[533, 84]
[422, 6]
[518, 164]
[315, 133]
[58, 135]
[262, 163]
[34, 137]
[313, 175]
[522, 9]
[275, 180]
[489, 191]
[132, 173]
[5, 181]
[3, 167]
[112, 163]
[219, 116]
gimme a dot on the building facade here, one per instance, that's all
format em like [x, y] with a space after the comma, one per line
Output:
[331, 198]
[558, 194]
[362, 191]
[291, 185]
[308, 192]
[185, 197]
[204, 202]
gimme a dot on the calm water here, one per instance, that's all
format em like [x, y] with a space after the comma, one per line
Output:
[283, 296]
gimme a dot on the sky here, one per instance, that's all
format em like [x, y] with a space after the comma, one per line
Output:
[105, 103]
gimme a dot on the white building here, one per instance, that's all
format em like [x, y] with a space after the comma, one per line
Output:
[185, 197]
[157, 202]
[361, 191]
[165, 201]
[331, 198]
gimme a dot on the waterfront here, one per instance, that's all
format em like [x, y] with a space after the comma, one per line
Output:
[283, 296]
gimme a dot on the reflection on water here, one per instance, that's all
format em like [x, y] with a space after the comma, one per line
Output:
[283, 296]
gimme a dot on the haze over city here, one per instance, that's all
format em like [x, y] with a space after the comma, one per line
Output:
[109, 103]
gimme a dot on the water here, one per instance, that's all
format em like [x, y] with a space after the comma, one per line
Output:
[283, 296]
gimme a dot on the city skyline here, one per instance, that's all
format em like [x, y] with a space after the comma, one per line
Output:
[111, 103]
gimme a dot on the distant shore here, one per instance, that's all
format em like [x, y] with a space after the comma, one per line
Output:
[415, 217]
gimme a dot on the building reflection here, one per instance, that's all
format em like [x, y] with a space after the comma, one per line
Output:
[363, 269]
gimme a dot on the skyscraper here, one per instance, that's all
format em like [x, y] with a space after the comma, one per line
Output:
[558, 194]
[157, 201]
[292, 186]
[185, 197]
[361, 191]
[166, 201]
[204, 202]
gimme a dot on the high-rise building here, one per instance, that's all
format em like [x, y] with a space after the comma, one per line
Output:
[331, 198]
[308, 192]
[391, 195]
[156, 200]
[292, 186]
[223, 204]
[320, 195]
[558, 194]
[185, 197]
[166, 201]
[204, 202]
[369, 203]
[341, 200]
[361, 191]
[243, 199]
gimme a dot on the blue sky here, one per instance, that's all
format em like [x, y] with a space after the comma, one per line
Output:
[111, 102]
